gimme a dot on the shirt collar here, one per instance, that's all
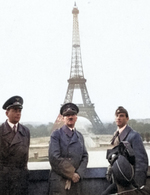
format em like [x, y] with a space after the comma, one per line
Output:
[11, 124]
[69, 131]
[121, 129]
[72, 129]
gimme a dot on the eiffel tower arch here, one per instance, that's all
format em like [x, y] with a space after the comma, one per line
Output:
[77, 81]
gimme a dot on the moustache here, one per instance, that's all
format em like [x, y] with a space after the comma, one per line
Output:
[70, 119]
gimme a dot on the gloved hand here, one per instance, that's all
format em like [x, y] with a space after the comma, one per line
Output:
[109, 173]
[68, 185]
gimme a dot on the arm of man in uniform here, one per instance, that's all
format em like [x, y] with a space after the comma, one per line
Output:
[141, 160]
[27, 132]
[61, 166]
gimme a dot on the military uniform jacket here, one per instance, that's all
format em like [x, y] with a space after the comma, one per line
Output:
[141, 159]
[14, 149]
[66, 155]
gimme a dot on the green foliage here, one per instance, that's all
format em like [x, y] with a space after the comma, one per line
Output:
[40, 131]
[147, 136]
[139, 126]
[110, 128]
[45, 130]
[142, 128]
[143, 136]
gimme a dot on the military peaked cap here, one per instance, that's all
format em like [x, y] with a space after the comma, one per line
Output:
[69, 109]
[13, 102]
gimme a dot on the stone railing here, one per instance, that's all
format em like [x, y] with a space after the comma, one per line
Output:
[93, 184]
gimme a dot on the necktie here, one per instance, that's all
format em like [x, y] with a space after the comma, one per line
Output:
[72, 132]
[115, 139]
[14, 128]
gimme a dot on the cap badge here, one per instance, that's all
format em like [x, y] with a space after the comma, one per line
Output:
[17, 99]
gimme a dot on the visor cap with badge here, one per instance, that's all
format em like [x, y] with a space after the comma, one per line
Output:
[13, 102]
[69, 109]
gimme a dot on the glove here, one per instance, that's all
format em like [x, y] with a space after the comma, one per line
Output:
[68, 185]
[109, 173]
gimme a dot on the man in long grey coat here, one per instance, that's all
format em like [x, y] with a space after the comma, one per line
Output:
[14, 150]
[67, 155]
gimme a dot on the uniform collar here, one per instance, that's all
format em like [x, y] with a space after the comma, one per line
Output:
[121, 129]
[72, 129]
[11, 124]
[69, 131]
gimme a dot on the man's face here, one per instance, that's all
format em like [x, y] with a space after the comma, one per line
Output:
[121, 120]
[13, 115]
[70, 120]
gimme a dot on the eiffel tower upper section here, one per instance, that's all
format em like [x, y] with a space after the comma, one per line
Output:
[76, 63]
[76, 80]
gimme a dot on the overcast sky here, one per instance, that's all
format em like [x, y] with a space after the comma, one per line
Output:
[35, 55]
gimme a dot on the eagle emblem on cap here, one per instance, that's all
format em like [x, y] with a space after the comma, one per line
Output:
[17, 99]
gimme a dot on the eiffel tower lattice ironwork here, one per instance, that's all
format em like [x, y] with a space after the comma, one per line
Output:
[77, 81]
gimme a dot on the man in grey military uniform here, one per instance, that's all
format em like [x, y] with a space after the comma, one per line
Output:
[67, 155]
[125, 133]
[14, 150]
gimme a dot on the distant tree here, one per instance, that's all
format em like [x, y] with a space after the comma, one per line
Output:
[111, 128]
[139, 127]
[32, 130]
[147, 136]
[49, 127]
[143, 136]
[40, 131]
[146, 128]
[132, 123]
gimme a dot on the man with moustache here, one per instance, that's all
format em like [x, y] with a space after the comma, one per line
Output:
[68, 156]
[14, 150]
[126, 133]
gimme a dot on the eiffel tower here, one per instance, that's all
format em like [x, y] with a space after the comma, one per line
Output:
[77, 81]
